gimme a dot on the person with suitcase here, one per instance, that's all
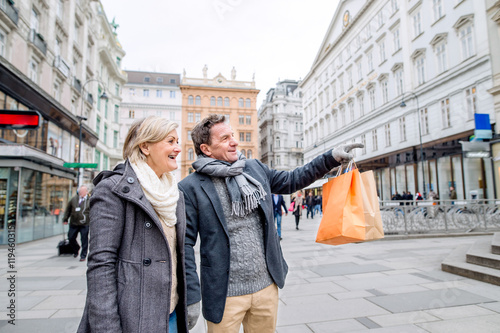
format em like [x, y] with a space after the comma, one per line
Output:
[77, 211]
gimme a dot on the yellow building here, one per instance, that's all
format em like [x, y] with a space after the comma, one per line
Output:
[234, 99]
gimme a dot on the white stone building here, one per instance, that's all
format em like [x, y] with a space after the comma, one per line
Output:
[151, 94]
[56, 57]
[433, 55]
[280, 127]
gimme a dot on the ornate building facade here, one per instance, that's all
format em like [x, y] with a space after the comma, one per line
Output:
[229, 97]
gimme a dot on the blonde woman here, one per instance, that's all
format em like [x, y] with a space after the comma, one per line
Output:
[136, 279]
[297, 208]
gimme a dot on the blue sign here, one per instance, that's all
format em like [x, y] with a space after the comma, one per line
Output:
[483, 126]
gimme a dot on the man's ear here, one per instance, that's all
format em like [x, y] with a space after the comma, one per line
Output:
[205, 149]
[144, 148]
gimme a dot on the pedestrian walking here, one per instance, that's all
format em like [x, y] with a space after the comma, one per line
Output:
[278, 204]
[229, 204]
[318, 201]
[310, 205]
[77, 212]
[136, 279]
[297, 208]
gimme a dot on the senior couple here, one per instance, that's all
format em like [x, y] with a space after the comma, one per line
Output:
[142, 273]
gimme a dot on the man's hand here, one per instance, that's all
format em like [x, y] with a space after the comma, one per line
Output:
[193, 312]
[65, 222]
[341, 153]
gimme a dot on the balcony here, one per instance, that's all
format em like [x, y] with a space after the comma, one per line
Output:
[7, 6]
[38, 40]
[61, 65]
[77, 85]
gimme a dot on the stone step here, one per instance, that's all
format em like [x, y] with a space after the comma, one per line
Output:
[455, 263]
[480, 254]
[495, 243]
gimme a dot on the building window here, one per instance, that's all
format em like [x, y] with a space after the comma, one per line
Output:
[190, 100]
[437, 8]
[117, 114]
[158, 93]
[105, 135]
[115, 139]
[145, 93]
[219, 101]
[349, 81]
[33, 71]
[420, 67]
[248, 103]
[189, 136]
[242, 136]
[417, 27]
[335, 120]
[159, 80]
[387, 135]
[341, 84]
[445, 112]
[172, 94]
[241, 103]
[342, 117]
[197, 117]
[212, 101]
[190, 154]
[249, 154]
[241, 120]
[381, 46]
[441, 57]
[57, 92]
[350, 105]
[394, 6]
[424, 121]
[466, 41]
[369, 58]
[172, 81]
[359, 68]
[249, 120]
[363, 141]
[131, 114]
[371, 95]
[334, 91]
[385, 91]
[98, 126]
[226, 101]
[59, 9]
[2, 43]
[249, 136]
[398, 76]
[277, 143]
[374, 140]
[172, 115]
[402, 128]
[361, 103]
[131, 92]
[197, 100]
[190, 117]
[470, 99]
[397, 40]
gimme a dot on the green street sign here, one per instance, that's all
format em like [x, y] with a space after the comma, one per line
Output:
[80, 165]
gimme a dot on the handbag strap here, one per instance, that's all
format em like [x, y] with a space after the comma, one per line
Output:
[350, 166]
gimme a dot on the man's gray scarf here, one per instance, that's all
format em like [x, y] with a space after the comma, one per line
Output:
[244, 190]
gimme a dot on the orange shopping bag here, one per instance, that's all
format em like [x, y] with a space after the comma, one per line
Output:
[373, 219]
[343, 214]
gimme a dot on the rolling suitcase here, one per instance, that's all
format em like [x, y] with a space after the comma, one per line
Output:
[64, 247]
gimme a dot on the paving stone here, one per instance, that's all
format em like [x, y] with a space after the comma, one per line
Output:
[395, 329]
[382, 282]
[63, 325]
[423, 300]
[294, 329]
[347, 268]
[460, 312]
[68, 313]
[61, 302]
[305, 300]
[491, 306]
[404, 318]
[352, 294]
[311, 289]
[337, 326]
[367, 322]
[483, 324]
[35, 314]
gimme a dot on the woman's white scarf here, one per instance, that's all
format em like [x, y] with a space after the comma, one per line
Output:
[162, 192]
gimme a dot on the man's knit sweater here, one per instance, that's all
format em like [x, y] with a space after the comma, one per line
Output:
[247, 268]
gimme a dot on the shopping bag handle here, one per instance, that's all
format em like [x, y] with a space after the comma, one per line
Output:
[347, 169]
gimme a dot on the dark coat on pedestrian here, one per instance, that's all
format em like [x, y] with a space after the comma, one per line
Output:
[129, 269]
[205, 216]
[77, 213]
[277, 206]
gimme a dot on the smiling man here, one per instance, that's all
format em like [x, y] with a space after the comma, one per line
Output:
[229, 204]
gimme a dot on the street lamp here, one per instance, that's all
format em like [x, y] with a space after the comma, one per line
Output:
[82, 118]
[403, 105]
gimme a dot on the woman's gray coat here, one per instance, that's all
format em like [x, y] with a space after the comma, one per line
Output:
[129, 267]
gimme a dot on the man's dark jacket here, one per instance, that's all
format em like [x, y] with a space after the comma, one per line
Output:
[205, 217]
[77, 218]
[277, 206]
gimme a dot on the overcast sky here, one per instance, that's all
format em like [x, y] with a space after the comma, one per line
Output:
[275, 39]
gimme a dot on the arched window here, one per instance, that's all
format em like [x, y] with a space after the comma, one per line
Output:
[219, 101]
[212, 101]
[248, 103]
[190, 100]
[249, 153]
[226, 101]
[190, 154]
[243, 152]
[198, 100]
[241, 103]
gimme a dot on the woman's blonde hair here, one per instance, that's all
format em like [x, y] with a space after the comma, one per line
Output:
[148, 130]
